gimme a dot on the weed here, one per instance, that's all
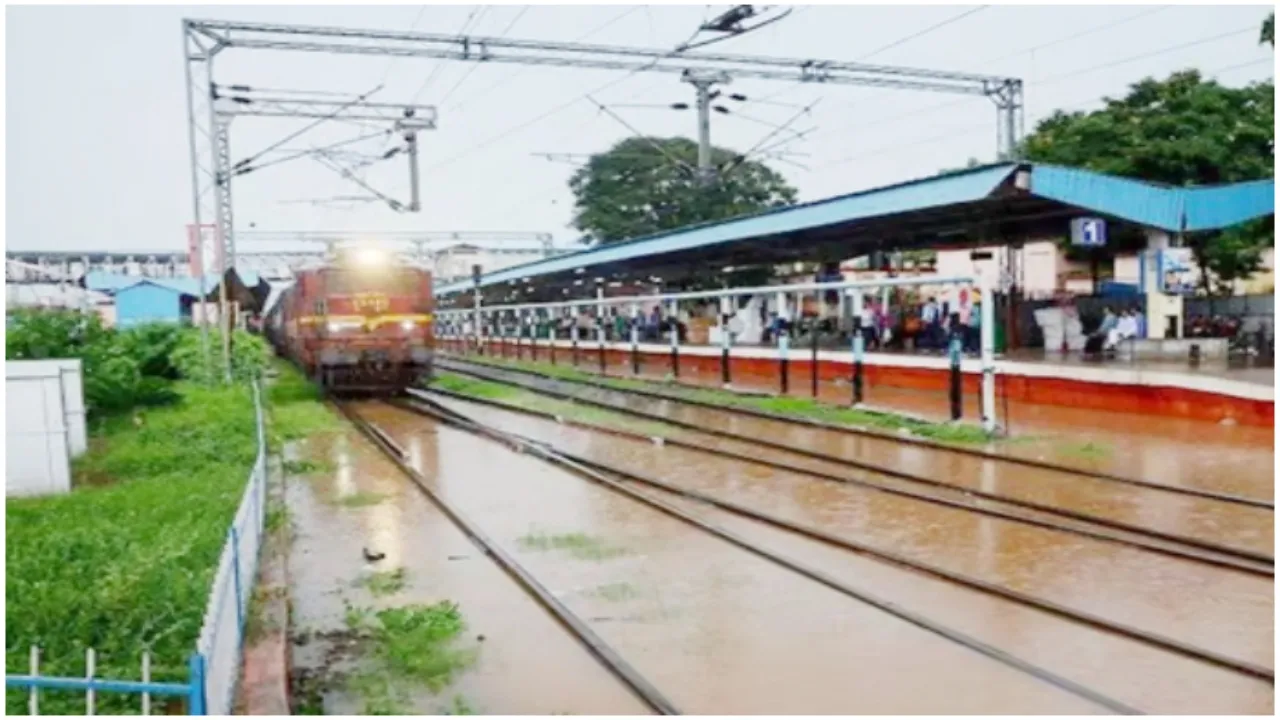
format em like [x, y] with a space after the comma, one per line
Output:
[361, 499]
[381, 695]
[616, 592]
[528, 400]
[386, 583]
[1088, 450]
[305, 467]
[277, 519]
[460, 706]
[792, 406]
[579, 545]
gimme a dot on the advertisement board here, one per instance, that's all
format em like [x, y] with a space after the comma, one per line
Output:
[1175, 272]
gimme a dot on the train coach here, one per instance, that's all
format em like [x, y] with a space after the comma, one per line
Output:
[359, 323]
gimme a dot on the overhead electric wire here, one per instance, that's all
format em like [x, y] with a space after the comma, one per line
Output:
[1040, 83]
[896, 43]
[466, 24]
[922, 33]
[319, 121]
[475, 66]
[1144, 56]
[422, 9]
[661, 150]
[965, 130]
[580, 38]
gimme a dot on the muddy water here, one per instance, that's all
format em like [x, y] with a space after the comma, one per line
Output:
[717, 629]
[526, 664]
[1230, 525]
[1142, 677]
[1219, 610]
[1233, 459]
[1209, 521]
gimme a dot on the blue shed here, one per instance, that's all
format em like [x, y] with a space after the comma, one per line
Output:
[149, 300]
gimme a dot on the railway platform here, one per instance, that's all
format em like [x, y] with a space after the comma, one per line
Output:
[1210, 393]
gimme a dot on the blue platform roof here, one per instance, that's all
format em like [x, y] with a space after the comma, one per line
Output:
[977, 194]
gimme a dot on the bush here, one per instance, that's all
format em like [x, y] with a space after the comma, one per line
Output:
[124, 369]
[121, 369]
[249, 356]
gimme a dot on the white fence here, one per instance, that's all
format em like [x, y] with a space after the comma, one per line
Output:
[222, 635]
[44, 425]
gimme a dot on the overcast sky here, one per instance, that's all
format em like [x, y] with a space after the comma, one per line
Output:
[97, 153]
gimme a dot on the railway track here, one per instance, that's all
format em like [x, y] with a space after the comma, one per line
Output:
[928, 489]
[576, 626]
[879, 436]
[1074, 615]
[616, 483]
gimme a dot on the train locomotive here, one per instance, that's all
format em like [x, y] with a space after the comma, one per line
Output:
[359, 323]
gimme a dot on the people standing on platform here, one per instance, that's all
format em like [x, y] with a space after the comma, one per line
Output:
[867, 317]
[931, 320]
[973, 329]
[1126, 327]
[1098, 339]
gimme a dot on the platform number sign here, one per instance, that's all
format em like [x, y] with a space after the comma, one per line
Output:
[1089, 232]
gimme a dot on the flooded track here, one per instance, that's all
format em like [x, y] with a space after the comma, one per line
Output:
[716, 628]
[527, 663]
[1213, 525]
[804, 433]
[1222, 612]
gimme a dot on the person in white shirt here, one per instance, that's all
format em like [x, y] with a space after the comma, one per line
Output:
[1124, 329]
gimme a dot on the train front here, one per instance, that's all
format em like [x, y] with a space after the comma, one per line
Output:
[376, 335]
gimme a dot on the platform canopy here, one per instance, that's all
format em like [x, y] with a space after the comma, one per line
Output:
[989, 205]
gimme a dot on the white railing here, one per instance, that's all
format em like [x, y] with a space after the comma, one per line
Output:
[222, 635]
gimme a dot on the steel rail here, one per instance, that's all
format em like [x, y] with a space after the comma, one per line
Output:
[554, 457]
[581, 631]
[1152, 639]
[866, 432]
[1189, 554]
[1223, 550]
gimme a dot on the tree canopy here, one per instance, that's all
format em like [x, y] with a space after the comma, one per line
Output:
[1183, 130]
[647, 185]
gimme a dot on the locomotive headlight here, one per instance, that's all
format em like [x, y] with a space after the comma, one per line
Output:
[334, 327]
[407, 325]
[371, 257]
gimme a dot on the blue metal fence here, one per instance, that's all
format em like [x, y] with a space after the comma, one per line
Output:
[213, 670]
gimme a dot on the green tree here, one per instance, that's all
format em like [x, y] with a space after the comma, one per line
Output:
[1268, 34]
[643, 186]
[1180, 131]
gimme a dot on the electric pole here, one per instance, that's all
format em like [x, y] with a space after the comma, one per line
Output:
[703, 82]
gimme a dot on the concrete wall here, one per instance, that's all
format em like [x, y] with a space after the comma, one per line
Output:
[144, 302]
[37, 432]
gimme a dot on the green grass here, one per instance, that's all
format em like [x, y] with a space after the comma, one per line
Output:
[126, 560]
[616, 592]
[305, 467]
[297, 409]
[805, 408]
[361, 498]
[1088, 450]
[389, 582]
[406, 647]
[529, 400]
[460, 706]
[578, 545]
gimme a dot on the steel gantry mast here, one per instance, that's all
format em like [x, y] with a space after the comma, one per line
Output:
[211, 107]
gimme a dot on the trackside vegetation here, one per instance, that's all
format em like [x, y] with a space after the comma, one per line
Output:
[801, 408]
[124, 563]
